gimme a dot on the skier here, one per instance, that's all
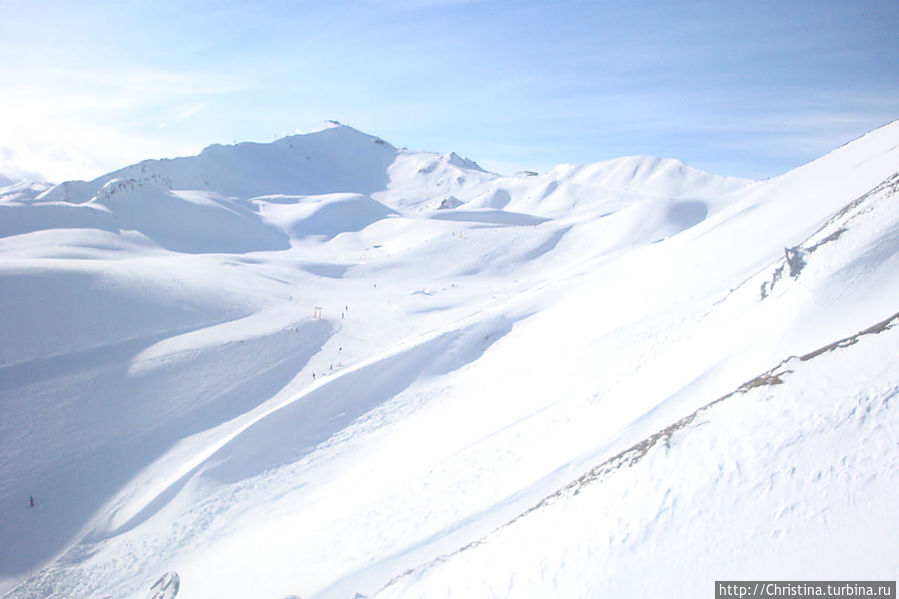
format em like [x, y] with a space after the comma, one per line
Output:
[30, 501]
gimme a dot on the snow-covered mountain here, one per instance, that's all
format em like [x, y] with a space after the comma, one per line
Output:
[325, 366]
[20, 190]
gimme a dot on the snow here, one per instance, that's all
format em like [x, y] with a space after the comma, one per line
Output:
[325, 215]
[336, 159]
[13, 192]
[324, 366]
[786, 479]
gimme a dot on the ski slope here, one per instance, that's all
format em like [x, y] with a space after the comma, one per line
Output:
[325, 366]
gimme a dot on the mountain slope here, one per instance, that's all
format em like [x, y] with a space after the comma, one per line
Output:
[348, 383]
[335, 159]
[792, 473]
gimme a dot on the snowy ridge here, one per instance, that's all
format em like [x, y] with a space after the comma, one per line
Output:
[423, 180]
[336, 159]
[20, 191]
[651, 175]
[206, 362]
[729, 467]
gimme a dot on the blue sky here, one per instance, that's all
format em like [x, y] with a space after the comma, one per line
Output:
[741, 88]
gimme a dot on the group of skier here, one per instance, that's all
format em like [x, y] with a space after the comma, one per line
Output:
[339, 349]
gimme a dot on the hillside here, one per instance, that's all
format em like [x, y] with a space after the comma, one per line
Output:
[325, 366]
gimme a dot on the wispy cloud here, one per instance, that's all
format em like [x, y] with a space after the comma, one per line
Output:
[59, 124]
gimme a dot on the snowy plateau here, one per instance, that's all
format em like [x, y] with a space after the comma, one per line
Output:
[325, 367]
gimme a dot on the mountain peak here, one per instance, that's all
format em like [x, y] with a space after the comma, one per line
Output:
[462, 162]
[335, 159]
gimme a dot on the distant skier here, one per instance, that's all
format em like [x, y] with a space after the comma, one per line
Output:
[313, 376]
[30, 501]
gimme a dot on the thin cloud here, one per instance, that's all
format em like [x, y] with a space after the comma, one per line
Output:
[61, 123]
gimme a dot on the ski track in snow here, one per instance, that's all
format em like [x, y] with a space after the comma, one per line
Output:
[325, 366]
